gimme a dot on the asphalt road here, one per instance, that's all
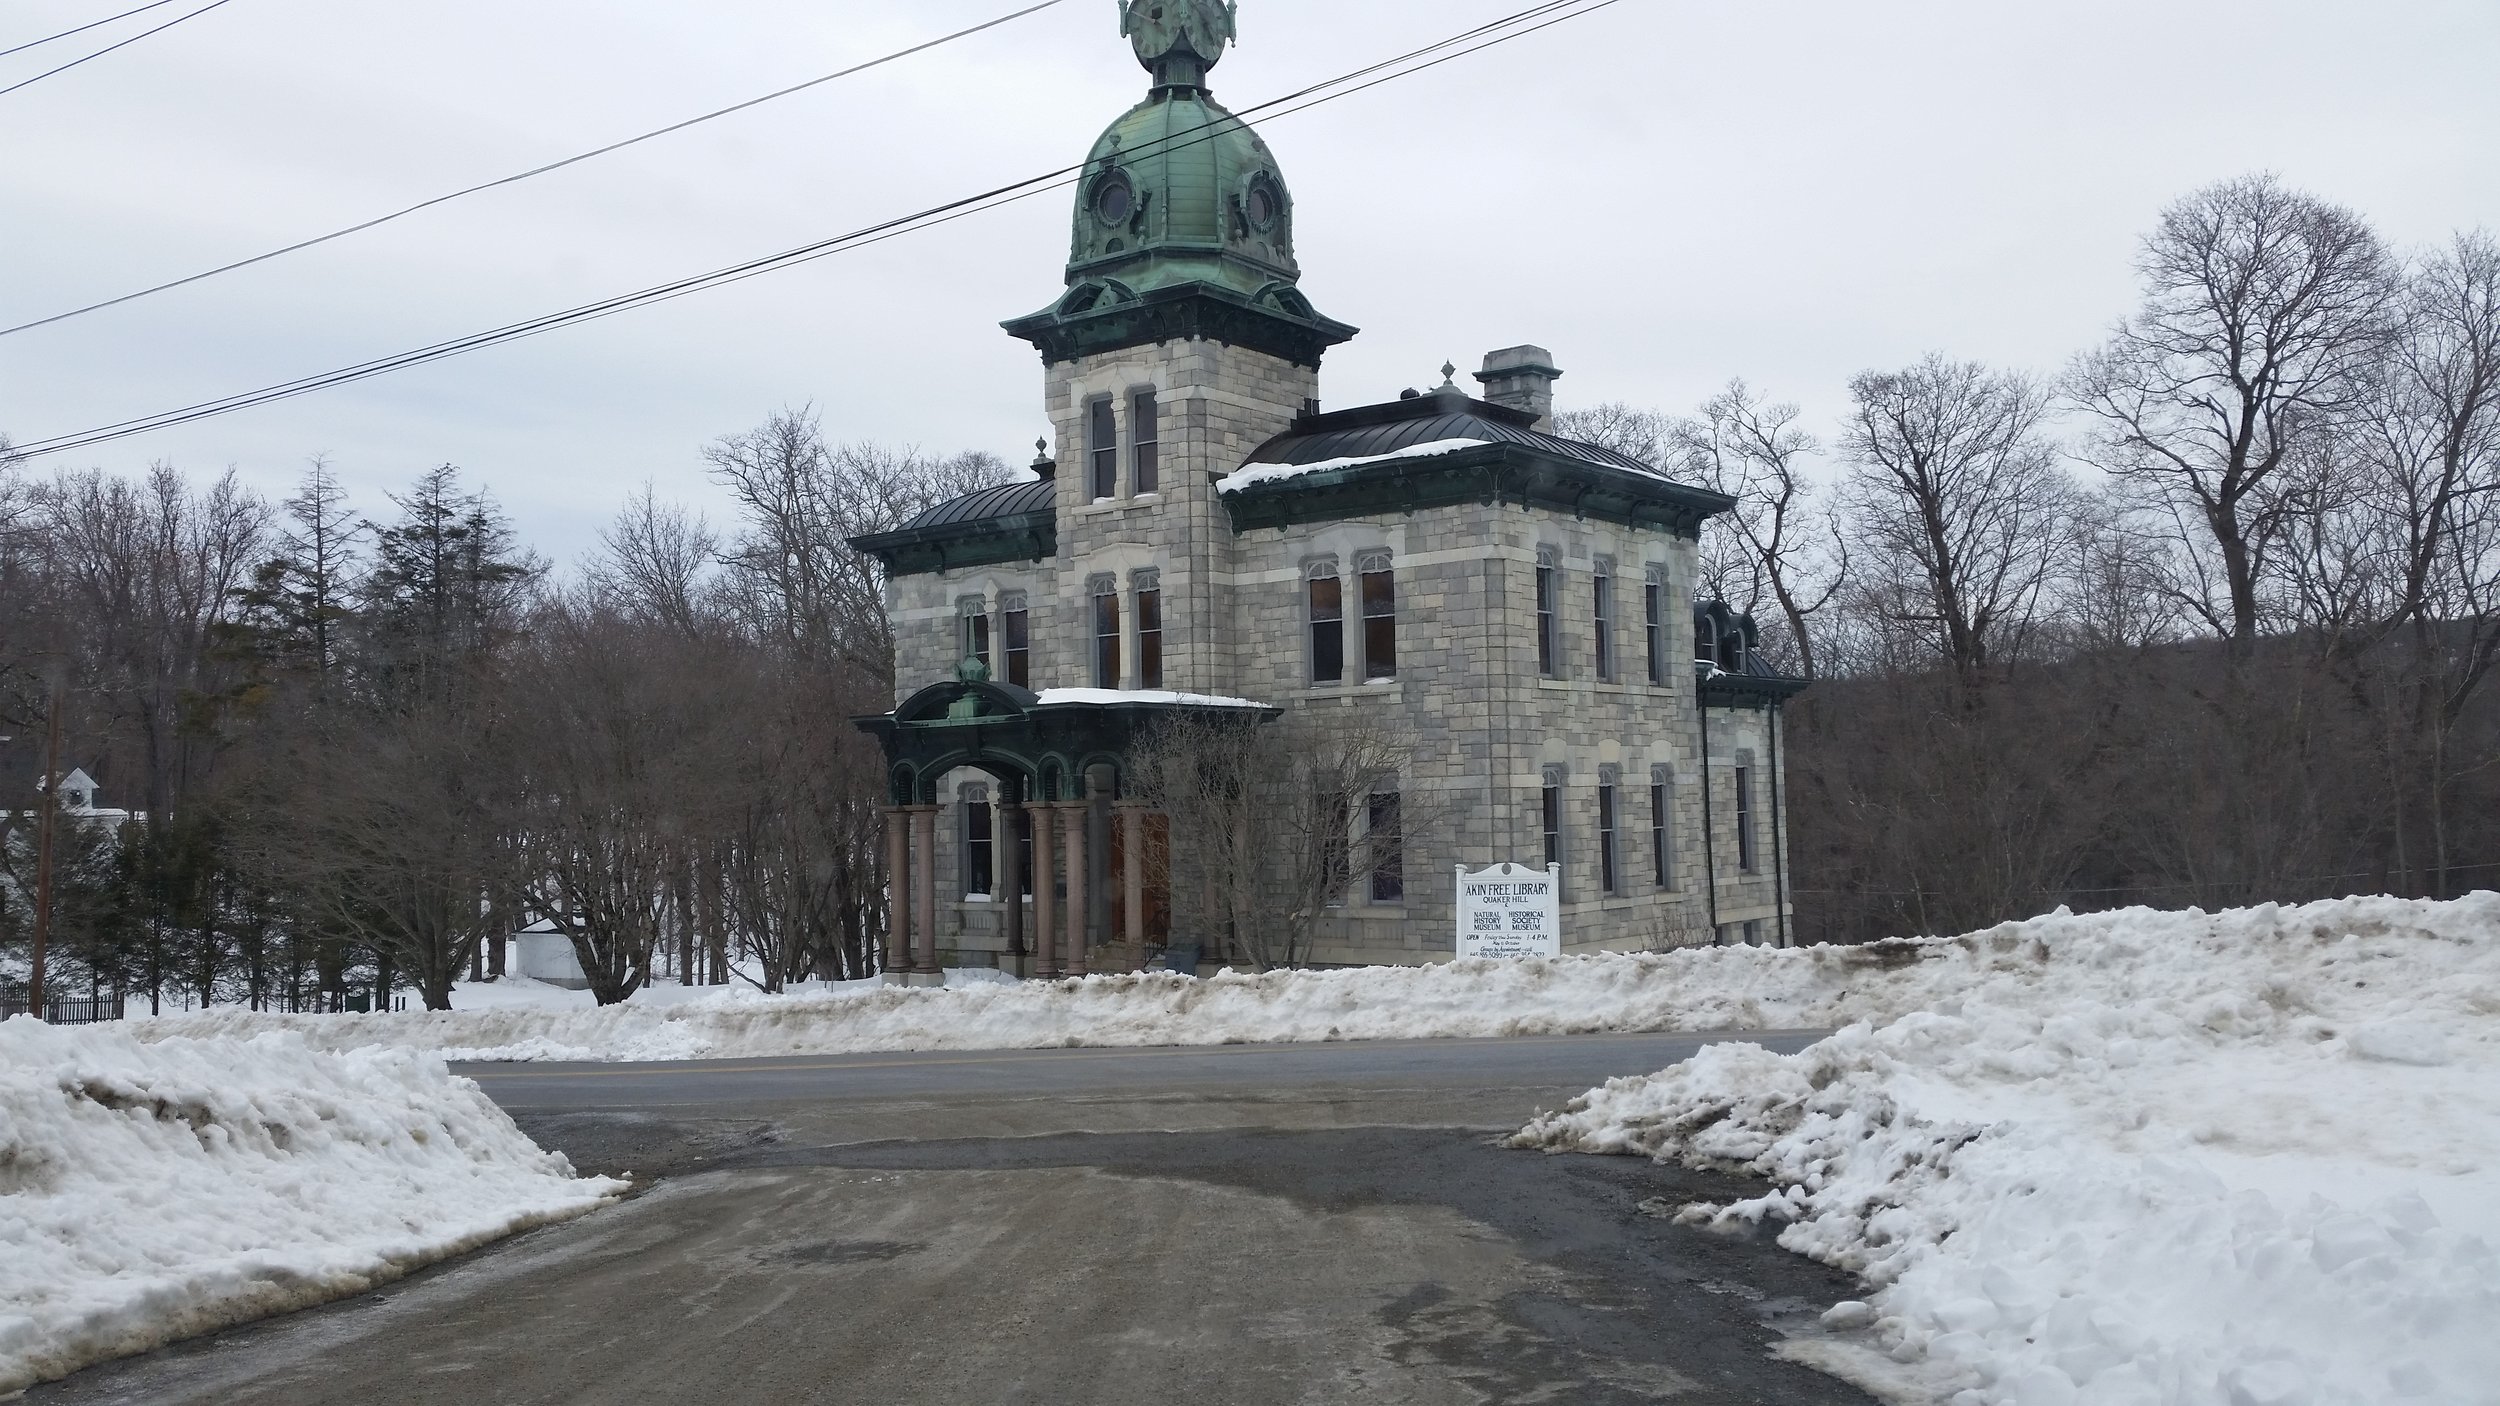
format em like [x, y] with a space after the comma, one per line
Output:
[1240, 1226]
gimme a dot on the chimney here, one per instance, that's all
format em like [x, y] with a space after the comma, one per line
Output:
[1522, 378]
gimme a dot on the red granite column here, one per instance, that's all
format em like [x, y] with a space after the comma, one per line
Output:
[1133, 829]
[1045, 890]
[897, 894]
[1007, 881]
[1079, 938]
[924, 962]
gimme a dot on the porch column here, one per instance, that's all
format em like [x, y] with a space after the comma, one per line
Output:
[1045, 818]
[1133, 829]
[897, 894]
[924, 964]
[1078, 938]
[1008, 882]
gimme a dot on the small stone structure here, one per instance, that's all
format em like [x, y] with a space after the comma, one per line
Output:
[1516, 607]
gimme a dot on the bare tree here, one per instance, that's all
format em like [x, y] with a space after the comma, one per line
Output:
[2265, 315]
[1628, 430]
[1756, 453]
[1271, 824]
[396, 829]
[625, 737]
[656, 562]
[1959, 507]
[793, 571]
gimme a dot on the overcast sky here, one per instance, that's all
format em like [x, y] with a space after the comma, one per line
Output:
[1667, 194]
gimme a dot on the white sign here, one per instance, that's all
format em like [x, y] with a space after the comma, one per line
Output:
[1510, 911]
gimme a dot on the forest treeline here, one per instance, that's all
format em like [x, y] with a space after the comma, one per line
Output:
[369, 749]
[2205, 617]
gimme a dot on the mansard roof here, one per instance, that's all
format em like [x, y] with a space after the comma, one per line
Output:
[1011, 522]
[1375, 430]
[1446, 449]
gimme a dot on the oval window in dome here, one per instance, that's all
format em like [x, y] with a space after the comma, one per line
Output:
[1265, 204]
[1114, 201]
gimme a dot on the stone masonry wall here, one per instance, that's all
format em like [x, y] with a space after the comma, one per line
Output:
[1486, 727]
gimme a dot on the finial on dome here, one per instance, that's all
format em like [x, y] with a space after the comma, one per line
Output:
[1449, 375]
[1178, 40]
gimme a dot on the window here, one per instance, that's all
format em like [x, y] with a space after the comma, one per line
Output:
[1553, 815]
[1102, 443]
[978, 841]
[1746, 859]
[1753, 933]
[1150, 629]
[973, 640]
[1654, 599]
[1607, 787]
[1331, 822]
[1017, 616]
[1327, 624]
[1106, 593]
[1662, 825]
[1602, 618]
[1388, 849]
[1548, 631]
[1380, 617]
[1145, 426]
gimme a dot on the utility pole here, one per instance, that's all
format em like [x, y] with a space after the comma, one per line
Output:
[44, 826]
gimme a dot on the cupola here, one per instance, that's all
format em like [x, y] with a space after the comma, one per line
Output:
[1183, 224]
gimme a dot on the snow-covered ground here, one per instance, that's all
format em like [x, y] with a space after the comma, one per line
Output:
[154, 1190]
[2133, 1159]
[1731, 988]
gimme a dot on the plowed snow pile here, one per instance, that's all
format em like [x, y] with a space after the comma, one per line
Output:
[1737, 988]
[153, 1191]
[2135, 1159]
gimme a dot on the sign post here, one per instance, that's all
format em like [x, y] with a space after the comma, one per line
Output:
[1510, 910]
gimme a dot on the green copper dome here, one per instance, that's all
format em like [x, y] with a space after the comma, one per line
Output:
[1181, 203]
[1179, 191]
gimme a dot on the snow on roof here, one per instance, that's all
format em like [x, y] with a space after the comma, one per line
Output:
[1052, 696]
[1256, 474]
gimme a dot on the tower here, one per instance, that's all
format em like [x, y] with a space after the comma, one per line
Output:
[1182, 343]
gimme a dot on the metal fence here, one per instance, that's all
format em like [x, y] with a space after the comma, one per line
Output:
[94, 1012]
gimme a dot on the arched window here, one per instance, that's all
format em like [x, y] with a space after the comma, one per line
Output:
[1548, 621]
[1654, 602]
[972, 632]
[1602, 621]
[1145, 432]
[979, 836]
[1105, 592]
[1662, 824]
[1326, 596]
[1149, 589]
[1016, 620]
[1609, 788]
[1380, 615]
[1102, 448]
[1552, 814]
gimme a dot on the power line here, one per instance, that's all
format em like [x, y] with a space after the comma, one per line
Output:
[518, 177]
[98, 24]
[1472, 41]
[124, 44]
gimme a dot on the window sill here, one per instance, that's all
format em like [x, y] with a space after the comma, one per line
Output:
[1389, 690]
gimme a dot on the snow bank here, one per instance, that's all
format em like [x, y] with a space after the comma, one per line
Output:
[2135, 1159]
[1732, 988]
[149, 1192]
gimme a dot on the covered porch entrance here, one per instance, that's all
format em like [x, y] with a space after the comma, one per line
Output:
[1064, 795]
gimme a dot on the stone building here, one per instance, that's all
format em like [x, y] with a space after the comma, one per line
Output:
[1515, 607]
